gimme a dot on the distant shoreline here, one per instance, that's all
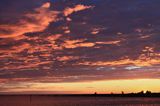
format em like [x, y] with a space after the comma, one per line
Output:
[89, 95]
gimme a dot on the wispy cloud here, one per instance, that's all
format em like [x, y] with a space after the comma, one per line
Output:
[32, 22]
[68, 11]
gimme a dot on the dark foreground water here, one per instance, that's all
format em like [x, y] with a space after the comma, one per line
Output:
[77, 101]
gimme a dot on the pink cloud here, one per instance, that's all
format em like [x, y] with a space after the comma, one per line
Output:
[77, 8]
[41, 18]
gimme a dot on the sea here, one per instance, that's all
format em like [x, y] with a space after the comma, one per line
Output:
[27, 100]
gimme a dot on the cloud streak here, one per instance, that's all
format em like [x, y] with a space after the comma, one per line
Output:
[32, 22]
[68, 11]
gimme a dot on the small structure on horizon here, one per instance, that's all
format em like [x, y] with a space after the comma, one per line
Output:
[122, 92]
[112, 93]
[142, 92]
[148, 92]
[95, 93]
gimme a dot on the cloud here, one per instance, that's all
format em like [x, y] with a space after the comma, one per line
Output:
[95, 31]
[32, 22]
[67, 58]
[110, 42]
[37, 21]
[68, 11]
[15, 49]
[33, 65]
[132, 67]
[141, 61]
[71, 44]
[46, 5]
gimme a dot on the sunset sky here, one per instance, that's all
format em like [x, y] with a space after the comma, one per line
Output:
[79, 46]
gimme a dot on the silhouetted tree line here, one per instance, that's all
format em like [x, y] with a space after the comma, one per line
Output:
[138, 94]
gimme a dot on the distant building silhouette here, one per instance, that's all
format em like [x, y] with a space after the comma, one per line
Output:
[122, 92]
[112, 93]
[95, 93]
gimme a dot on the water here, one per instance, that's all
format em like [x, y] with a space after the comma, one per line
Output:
[76, 101]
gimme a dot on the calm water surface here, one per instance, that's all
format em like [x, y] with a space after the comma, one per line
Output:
[76, 101]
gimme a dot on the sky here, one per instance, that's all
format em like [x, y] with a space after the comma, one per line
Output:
[79, 46]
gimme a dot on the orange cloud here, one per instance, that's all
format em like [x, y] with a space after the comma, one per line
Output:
[77, 8]
[67, 58]
[66, 30]
[109, 42]
[26, 65]
[97, 30]
[36, 21]
[147, 58]
[14, 50]
[41, 18]
[46, 5]
[30, 60]
[77, 43]
[137, 62]
[3, 80]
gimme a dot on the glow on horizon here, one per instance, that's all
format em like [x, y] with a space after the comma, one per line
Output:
[115, 86]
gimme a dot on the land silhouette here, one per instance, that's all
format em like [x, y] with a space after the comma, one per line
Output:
[122, 94]
[138, 94]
